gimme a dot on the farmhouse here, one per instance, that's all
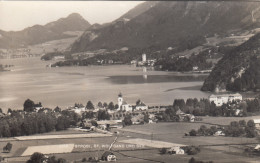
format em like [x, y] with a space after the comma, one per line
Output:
[176, 150]
[220, 99]
[141, 106]
[110, 124]
[257, 123]
[108, 156]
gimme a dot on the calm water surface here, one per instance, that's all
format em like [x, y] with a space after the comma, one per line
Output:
[64, 86]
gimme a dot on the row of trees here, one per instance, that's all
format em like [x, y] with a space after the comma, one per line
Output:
[234, 129]
[18, 124]
[241, 128]
[204, 107]
[91, 106]
[204, 131]
[38, 157]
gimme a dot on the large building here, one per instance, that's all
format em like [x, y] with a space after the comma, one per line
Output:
[220, 99]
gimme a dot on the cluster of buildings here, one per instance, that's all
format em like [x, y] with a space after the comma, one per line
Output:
[16, 53]
[220, 99]
[124, 106]
[144, 61]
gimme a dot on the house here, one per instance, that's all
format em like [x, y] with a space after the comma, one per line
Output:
[195, 68]
[220, 99]
[257, 147]
[257, 123]
[219, 133]
[126, 107]
[108, 156]
[110, 124]
[138, 119]
[79, 110]
[176, 150]
[141, 106]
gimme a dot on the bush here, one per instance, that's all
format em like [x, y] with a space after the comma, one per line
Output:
[84, 159]
[163, 151]
[193, 132]
[192, 150]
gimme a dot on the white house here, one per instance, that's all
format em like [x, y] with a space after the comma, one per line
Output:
[108, 156]
[176, 150]
[141, 106]
[220, 99]
[126, 107]
[257, 123]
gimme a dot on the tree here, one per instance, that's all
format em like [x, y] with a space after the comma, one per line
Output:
[146, 118]
[163, 151]
[28, 105]
[90, 105]
[116, 106]
[193, 132]
[242, 123]
[88, 115]
[100, 105]
[1, 111]
[103, 115]
[57, 109]
[192, 160]
[138, 102]
[127, 120]
[36, 158]
[94, 123]
[9, 111]
[8, 147]
[111, 106]
[105, 105]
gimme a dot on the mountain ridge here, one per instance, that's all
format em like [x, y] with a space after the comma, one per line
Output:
[42, 33]
[181, 25]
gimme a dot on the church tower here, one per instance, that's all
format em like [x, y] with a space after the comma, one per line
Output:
[120, 100]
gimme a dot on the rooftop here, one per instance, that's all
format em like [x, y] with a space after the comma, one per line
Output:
[225, 95]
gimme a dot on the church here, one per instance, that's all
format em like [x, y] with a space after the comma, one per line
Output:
[123, 105]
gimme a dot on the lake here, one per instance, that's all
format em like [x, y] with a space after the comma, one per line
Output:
[64, 86]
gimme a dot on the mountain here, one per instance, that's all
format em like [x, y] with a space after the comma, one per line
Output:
[139, 9]
[178, 24]
[42, 33]
[237, 71]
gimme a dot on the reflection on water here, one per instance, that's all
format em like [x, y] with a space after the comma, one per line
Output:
[138, 79]
[65, 86]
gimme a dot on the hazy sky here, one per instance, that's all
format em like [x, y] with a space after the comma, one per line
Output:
[17, 15]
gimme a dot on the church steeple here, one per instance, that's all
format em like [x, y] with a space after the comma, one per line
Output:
[120, 100]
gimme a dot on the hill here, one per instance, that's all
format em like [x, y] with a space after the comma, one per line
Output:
[238, 70]
[181, 25]
[43, 33]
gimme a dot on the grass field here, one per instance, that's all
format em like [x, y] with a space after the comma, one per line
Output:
[151, 143]
[67, 136]
[49, 149]
[141, 148]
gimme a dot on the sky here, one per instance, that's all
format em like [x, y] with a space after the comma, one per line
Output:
[17, 15]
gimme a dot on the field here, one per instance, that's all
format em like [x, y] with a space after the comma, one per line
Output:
[150, 143]
[67, 136]
[49, 149]
[140, 143]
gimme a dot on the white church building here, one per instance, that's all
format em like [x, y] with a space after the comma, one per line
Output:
[123, 105]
